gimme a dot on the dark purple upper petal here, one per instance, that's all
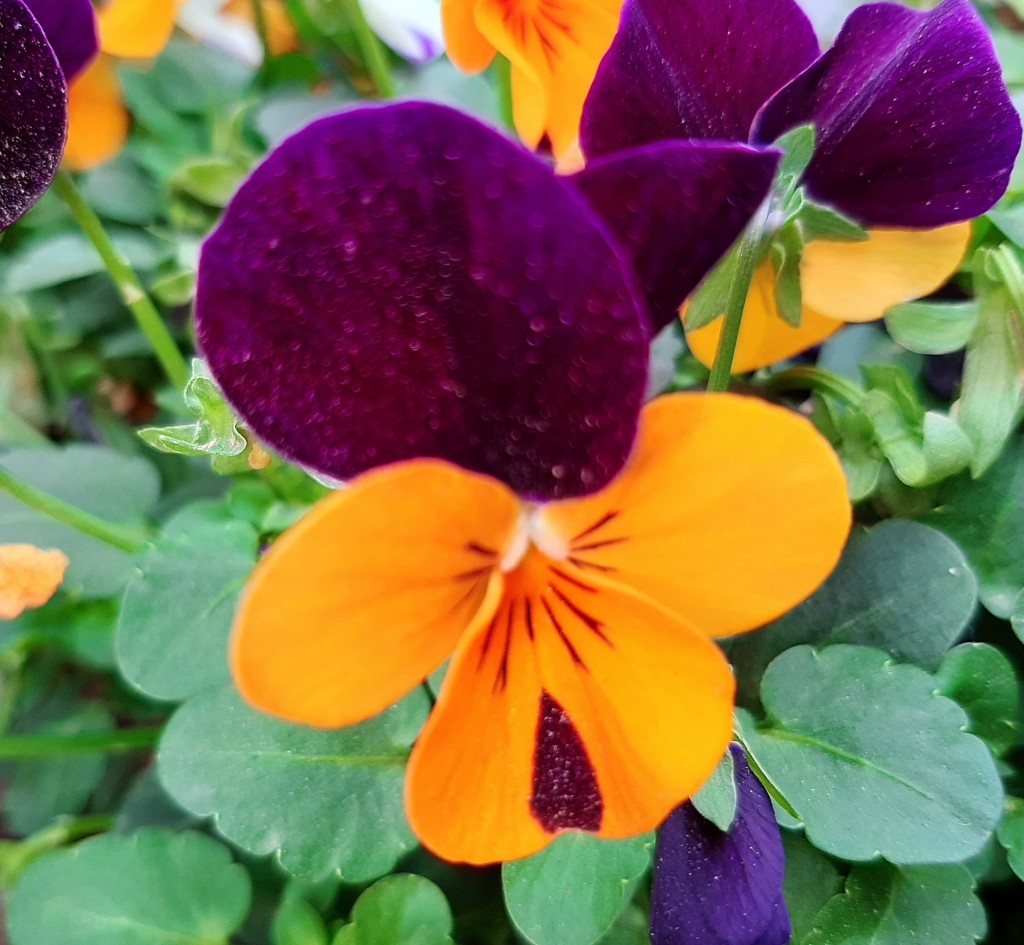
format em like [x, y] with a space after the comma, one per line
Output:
[677, 206]
[715, 888]
[402, 281]
[693, 69]
[33, 112]
[915, 127]
[70, 27]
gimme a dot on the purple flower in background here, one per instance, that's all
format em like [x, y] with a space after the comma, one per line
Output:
[914, 130]
[33, 111]
[715, 888]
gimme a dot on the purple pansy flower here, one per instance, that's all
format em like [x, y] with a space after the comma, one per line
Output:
[914, 130]
[33, 111]
[71, 29]
[721, 888]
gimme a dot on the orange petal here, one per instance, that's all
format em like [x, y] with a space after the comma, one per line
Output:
[557, 46]
[859, 282]
[281, 30]
[466, 45]
[29, 577]
[370, 592]
[97, 119]
[730, 512]
[764, 337]
[136, 29]
[579, 706]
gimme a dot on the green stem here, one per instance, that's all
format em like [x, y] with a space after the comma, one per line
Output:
[127, 282]
[503, 75]
[120, 537]
[375, 58]
[1011, 274]
[84, 743]
[259, 16]
[817, 380]
[746, 264]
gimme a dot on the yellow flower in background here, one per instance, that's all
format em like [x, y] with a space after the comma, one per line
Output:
[553, 46]
[29, 577]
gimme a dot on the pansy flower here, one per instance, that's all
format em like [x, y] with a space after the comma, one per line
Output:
[915, 133]
[229, 25]
[87, 44]
[33, 111]
[29, 576]
[402, 298]
[553, 48]
[721, 887]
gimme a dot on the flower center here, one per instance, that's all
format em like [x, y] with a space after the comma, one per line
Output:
[533, 531]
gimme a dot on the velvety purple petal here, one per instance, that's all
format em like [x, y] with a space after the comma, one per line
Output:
[693, 69]
[71, 28]
[677, 206]
[33, 112]
[915, 126]
[715, 888]
[402, 281]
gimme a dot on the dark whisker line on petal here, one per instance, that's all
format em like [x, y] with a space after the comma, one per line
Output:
[582, 563]
[502, 678]
[575, 582]
[600, 523]
[529, 617]
[594, 545]
[594, 625]
[470, 575]
[481, 549]
[488, 638]
[566, 642]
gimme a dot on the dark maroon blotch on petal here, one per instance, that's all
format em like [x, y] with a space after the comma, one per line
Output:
[677, 207]
[915, 127]
[565, 792]
[71, 29]
[693, 69]
[715, 888]
[33, 112]
[401, 281]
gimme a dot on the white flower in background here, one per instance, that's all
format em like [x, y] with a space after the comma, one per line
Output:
[208, 22]
[412, 28]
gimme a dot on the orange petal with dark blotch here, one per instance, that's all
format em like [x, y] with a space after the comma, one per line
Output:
[729, 513]
[97, 119]
[29, 577]
[466, 46]
[765, 338]
[580, 706]
[136, 29]
[369, 593]
[859, 282]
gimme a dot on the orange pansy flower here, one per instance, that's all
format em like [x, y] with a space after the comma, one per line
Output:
[29, 577]
[553, 46]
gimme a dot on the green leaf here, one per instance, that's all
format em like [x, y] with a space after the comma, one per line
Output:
[716, 800]
[296, 922]
[787, 251]
[399, 910]
[45, 788]
[572, 892]
[798, 147]
[210, 180]
[173, 631]
[883, 905]
[709, 300]
[985, 517]
[823, 223]
[901, 587]
[1011, 834]
[982, 681]
[323, 801]
[874, 759]
[811, 880]
[152, 888]
[932, 327]
[118, 488]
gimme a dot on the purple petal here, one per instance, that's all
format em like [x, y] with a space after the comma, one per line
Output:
[678, 207]
[915, 126]
[402, 281]
[33, 112]
[70, 27]
[715, 888]
[693, 69]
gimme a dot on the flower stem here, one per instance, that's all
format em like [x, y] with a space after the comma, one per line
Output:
[503, 75]
[127, 282]
[84, 743]
[746, 264]
[375, 58]
[124, 538]
[259, 17]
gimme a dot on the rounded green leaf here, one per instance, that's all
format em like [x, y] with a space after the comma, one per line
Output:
[572, 892]
[152, 888]
[1011, 835]
[172, 635]
[982, 681]
[874, 760]
[811, 880]
[399, 910]
[884, 905]
[323, 801]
